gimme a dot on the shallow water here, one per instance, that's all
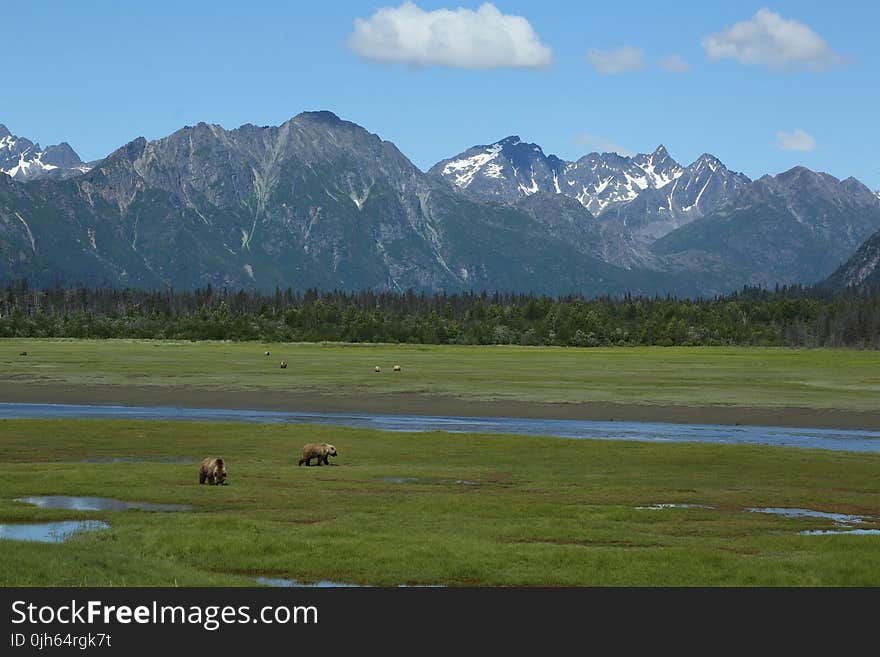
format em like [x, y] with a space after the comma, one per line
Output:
[417, 480]
[292, 583]
[658, 507]
[49, 532]
[287, 583]
[828, 532]
[97, 504]
[833, 439]
[836, 518]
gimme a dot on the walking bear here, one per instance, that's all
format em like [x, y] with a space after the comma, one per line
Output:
[320, 451]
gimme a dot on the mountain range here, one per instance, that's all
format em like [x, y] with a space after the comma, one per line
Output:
[22, 159]
[321, 202]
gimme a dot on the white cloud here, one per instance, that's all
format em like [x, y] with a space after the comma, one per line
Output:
[612, 62]
[599, 144]
[768, 39]
[674, 64]
[795, 141]
[460, 38]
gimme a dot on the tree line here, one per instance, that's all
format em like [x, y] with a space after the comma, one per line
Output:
[795, 316]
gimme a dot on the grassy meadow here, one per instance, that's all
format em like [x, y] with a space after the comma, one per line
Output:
[432, 509]
[688, 376]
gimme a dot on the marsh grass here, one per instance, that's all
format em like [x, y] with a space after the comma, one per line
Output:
[540, 511]
[748, 377]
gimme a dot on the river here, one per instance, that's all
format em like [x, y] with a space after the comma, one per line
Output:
[833, 439]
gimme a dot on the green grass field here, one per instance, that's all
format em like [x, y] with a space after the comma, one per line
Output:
[435, 508]
[432, 508]
[690, 376]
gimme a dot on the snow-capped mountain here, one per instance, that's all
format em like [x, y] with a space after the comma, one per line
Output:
[504, 171]
[647, 190]
[22, 159]
[314, 202]
[696, 191]
[321, 202]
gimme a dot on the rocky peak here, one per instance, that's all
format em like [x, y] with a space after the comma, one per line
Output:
[320, 116]
[62, 156]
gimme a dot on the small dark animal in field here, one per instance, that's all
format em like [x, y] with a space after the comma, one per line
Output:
[396, 368]
[22, 353]
[213, 470]
[283, 364]
[320, 451]
[377, 369]
[267, 354]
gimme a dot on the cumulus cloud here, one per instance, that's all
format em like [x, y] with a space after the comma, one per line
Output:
[599, 144]
[674, 64]
[798, 140]
[460, 38]
[768, 39]
[612, 62]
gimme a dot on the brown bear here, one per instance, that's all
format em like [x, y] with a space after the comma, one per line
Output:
[213, 470]
[320, 451]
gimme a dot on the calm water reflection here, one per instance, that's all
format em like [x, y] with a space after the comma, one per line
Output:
[97, 504]
[49, 532]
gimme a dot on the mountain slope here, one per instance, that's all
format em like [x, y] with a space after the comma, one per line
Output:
[796, 227]
[860, 271]
[315, 202]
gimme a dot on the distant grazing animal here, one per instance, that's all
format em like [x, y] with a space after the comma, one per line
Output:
[396, 368]
[22, 353]
[318, 451]
[377, 369]
[267, 354]
[283, 364]
[213, 470]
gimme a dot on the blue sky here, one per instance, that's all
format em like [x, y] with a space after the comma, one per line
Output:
[763, 86]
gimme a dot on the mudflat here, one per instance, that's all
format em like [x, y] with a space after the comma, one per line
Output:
[406, 403]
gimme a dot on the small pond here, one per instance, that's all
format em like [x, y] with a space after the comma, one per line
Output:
[49, 532]
[836, 518]
[657, 507]
[829, 532]
[292, 583]
[417, 480]
[274, 581]
[97, 504]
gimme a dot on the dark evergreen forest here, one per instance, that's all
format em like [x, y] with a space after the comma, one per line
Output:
[792, 316]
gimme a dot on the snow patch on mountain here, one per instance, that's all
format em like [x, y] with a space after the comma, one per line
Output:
[22, 159]
[465, 169]
[531, 189]
[29, 233]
